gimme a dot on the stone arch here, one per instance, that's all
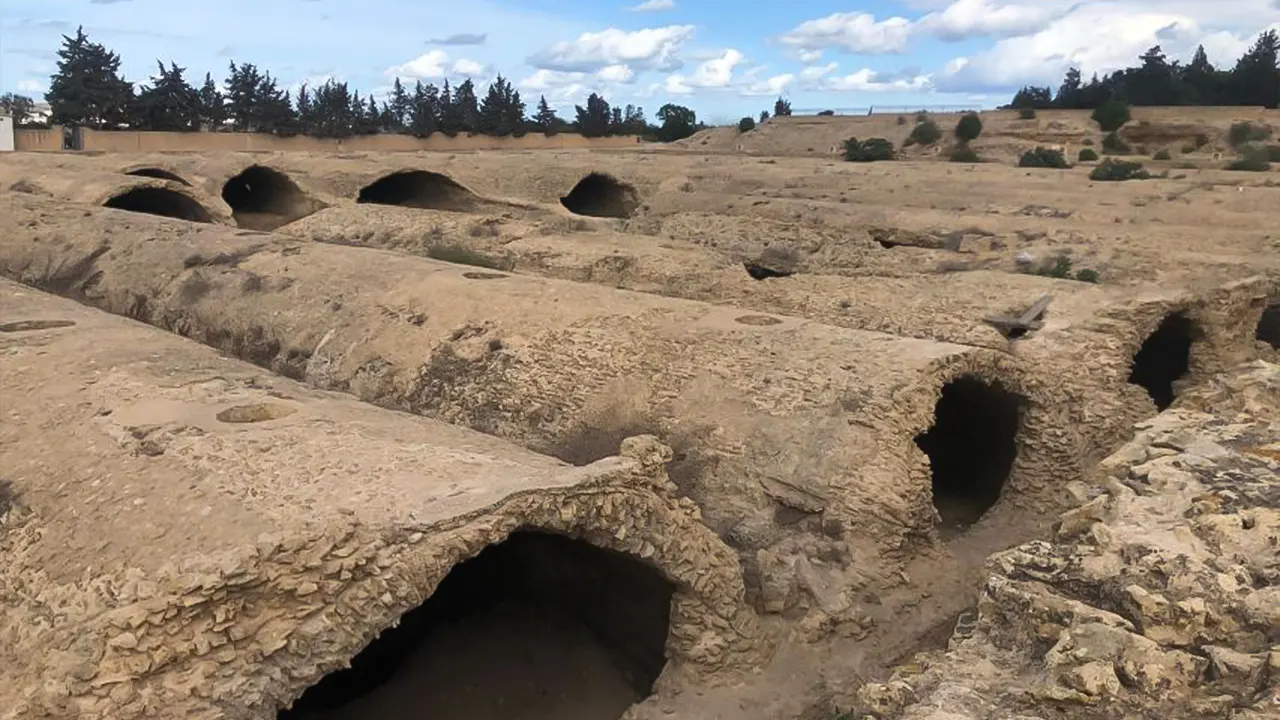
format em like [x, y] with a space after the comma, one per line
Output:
[263, 198]
[419, 189]
[166, 202]
[602, 195]
[159, 174]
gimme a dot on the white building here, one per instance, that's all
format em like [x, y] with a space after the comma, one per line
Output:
[6, 133]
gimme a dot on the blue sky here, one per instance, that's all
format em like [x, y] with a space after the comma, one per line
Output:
[722, 58]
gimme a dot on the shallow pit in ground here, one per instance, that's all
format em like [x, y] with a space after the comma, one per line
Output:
[159, 174]
[1269, 326]
[971, 446]
[419, 189]
[1164, 358]
[602, 195]
[265, 199]
[538, 627]
[160, 201]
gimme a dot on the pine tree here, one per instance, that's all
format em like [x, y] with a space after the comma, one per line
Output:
[400, 106]
[1201, 79]
[448, 114]
[593, 120]
[423, 111]
[212, 111]
[169, 103]
[243, 83]
[306, 111]
[782, 108]
[502, 110]
[468, 110]
[545, 118]
[87, 88]
[1255, 80]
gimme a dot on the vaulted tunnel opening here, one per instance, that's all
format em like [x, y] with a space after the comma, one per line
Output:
[265, 199]
[159, 174]
[1164, 358]
[601, 195]
[419, 189]
[539, 627]
[160, 201]
[1269, 326]
[971, 446]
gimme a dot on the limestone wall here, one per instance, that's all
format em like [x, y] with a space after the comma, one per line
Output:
[189, 536]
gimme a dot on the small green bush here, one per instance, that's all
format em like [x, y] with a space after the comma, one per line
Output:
[1087, 155]
[902, 119]
[746, 124]
[969, 127]
[1087, 275]
[925, 133]
[1111, 115]
[1112, 170]
[1188, 149]
[1252, 159]
[1162, 155]
[1113, 144]
[1087, 142]
[870, 150]
[1043, 157]
[965, 154]
[1027, 114]
[922, 116]
[1246, 132]
[1273, 153]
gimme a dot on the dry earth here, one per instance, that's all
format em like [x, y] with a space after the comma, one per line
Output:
[850, 415]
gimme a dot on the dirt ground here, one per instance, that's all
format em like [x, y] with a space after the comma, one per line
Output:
[876, 277]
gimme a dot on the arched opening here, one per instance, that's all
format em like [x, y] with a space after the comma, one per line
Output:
[160, 201]
[418, 189]
[1165, 356]
[539, 626]
[601, 195]
[1269, 326]
[159, 174]
[265, 199]
[971, 445]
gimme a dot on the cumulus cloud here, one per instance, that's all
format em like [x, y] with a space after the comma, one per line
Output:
[1133, 26]
[616, 73]
[854, 32]
[814, 72]
[771, 86]
[430, 64]
[655, 5]
[715, 72]
[463, 66]
[650, 48]
[970, 18]
[867, 80]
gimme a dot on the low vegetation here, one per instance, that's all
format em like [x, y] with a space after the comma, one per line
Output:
[1112, 170]
[746, 124]
[1087, 155]
[964, 154]
[1162, 155]
[1111, 115]
[1242, 133]
[869, 150]
[924, 133]
[1027, 114]
[1043, 157]
[1061, 267]
[1113, 144]
[1252, 159]
[968, 128]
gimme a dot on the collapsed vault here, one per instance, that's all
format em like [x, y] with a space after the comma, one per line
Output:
[159, 174]
[160, 201]
[601, 195]
[260, 598]
[419, 189]
[263, 198]
[1164, 358]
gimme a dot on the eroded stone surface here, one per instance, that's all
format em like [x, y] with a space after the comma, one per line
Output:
[1158, 597]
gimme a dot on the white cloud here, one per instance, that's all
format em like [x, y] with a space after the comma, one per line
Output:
[430, 64]
[653, 5]
[716, 72]
[650, 48]
[969, 18]
[867, 80]
[771, 86]
[616, 73]
[30, 86]
[463, 66]
[1130, 27]
[814, 72]
[854, 32]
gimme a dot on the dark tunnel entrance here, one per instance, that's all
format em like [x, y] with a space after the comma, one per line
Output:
[159, 174]
[1165, 356]
[1269, 326]
[160, 201]
[971, 447]
[601, 195]
[265, 199]
[538, 627]
[418, 189]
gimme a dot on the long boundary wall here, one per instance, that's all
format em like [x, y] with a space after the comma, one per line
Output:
[50, 140]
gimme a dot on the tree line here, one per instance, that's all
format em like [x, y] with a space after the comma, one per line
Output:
[88, 91]
[1254, 80]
